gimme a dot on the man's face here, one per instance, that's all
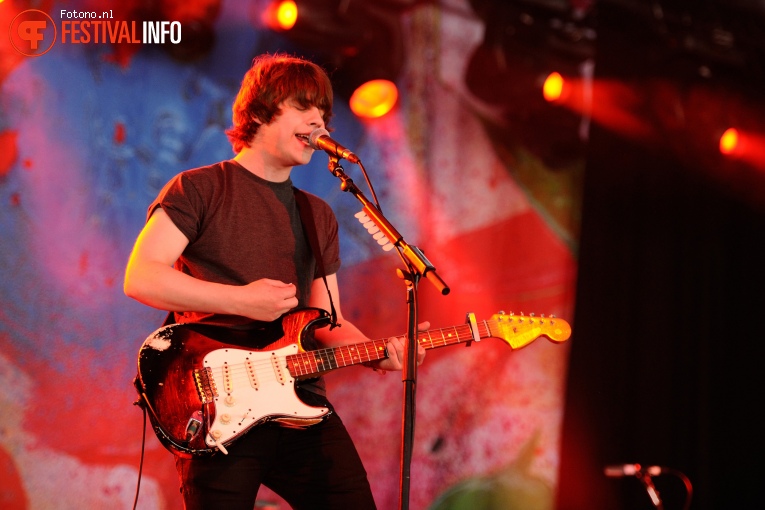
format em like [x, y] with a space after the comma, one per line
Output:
[280, 140]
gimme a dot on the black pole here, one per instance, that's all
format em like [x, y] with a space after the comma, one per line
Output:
[417, 266]
[409, 378]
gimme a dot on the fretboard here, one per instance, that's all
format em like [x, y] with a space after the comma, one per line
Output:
[313, 363]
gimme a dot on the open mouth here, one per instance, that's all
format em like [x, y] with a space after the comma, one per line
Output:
[303, 138]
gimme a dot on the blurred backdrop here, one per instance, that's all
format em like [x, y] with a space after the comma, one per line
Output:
[601, 161]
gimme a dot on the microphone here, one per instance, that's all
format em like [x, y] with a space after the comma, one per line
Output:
[319, 140]
[621, 470]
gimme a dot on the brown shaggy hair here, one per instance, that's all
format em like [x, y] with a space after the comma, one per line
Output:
[270, 81]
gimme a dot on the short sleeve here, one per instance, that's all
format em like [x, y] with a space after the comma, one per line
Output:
[183, 202]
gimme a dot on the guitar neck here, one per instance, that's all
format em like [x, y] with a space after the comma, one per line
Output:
[312, 363]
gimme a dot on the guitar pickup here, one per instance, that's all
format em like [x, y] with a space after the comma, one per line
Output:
[279, 368]
[252, 375]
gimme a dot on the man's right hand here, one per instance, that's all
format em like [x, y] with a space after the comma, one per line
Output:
[267, 300]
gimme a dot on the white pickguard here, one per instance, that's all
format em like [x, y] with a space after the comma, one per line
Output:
[252, 387]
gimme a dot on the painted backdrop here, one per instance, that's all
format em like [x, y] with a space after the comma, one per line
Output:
[88, 135]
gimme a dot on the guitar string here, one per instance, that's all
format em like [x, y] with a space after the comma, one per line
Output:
[342, 355]
[239, 372]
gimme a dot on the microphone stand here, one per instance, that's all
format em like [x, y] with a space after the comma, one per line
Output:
[417, 267]
[645, 477]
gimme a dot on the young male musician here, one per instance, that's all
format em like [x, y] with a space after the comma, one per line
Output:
[224, 244]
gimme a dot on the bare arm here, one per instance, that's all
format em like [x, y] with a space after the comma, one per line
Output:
[350, 334]
[151, 279]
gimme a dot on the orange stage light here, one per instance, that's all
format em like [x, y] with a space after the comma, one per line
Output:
[552, 89]
[744, 145]
[374, 98]
[281, 15]
[729, 141]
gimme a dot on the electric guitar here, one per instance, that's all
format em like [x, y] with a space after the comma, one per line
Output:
[204, 386]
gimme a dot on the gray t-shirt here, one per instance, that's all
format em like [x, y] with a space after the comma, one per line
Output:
[242, 228]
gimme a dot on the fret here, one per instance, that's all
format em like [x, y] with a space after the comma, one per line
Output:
[327, 359]
[380, 350]
[355, 357]
[451, 335]
[303, 364]
[345, 355]
[489, 324]
[466, 333]
[312, 362]
[487, 330]
[339, 354]
[461, 334]
[443, 337]
[293, 366]
[309, 363]
[430, 338]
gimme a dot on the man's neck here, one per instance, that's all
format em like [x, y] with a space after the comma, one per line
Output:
[254, 162]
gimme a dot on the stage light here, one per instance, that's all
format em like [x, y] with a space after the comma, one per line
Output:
[374, 98]
[358, 43]
[729, 141]
[280, 15]
[552, 89]
[533, 69]
[367, 80]
[744, 145]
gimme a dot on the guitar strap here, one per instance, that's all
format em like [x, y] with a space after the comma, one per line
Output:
[309, 226]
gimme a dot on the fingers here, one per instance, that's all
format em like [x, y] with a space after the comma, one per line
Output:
[397, 352]
[288, 304]
[268, 299]
[279, 289]
[288, 295]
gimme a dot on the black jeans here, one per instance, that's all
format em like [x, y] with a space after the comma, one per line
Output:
[314, 468]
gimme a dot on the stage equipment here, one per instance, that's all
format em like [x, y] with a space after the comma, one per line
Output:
[534, 67]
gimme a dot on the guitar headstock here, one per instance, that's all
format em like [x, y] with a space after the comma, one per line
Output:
[520, 330]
